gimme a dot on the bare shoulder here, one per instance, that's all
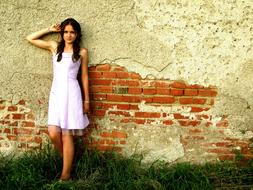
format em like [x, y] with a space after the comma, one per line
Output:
[84, 52]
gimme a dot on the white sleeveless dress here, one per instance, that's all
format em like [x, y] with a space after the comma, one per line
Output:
[65, 101]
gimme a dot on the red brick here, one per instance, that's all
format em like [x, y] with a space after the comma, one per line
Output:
[100, 82]
[2, 107]
[224, 144]
[6, 130]
[226, 157]
[190, 92]
[198, 109]
[140, 121]
[106, 134]
[220, 151]
[101, 89]
[185, 100]
[122, 75]
[123, 113]
[160, 84]
[168, 100]
[194, 86]
[192, 131]
[222, 124]
[195, 137]
[99, 112]
[21, 102]
[25, 131]
[38, 140]
[123, 106]
[122, 142]
[149, 91]
[12, 137]
[104, 67]
[118, 134]
[109, 74]
[122, 82]
[178, 84]
[163, 91]
[92, 68]
[15, 123]
[95, 74]
[12, 108]
[188, 123]
[179, 116]
[199, 101]
[110, 142]
[147, 99]
[131, 98]
[207, 92]
[177, 92]
[99, 97]
[135, 76]
[133, 107]
[147, 114]
[28, 124]
[18, 116]
[119, 69]
[134, 90]
[167, 122]
[114, 98]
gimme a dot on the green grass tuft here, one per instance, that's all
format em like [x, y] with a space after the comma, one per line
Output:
[40, 169]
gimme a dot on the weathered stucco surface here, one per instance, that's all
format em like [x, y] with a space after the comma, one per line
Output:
[207, 42]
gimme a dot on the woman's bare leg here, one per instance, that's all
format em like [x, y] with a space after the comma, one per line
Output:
[56, 138]
[68, 155]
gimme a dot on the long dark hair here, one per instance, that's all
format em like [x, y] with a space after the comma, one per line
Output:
[76, 43]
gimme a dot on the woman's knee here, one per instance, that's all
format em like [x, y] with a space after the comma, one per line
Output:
[54, 134]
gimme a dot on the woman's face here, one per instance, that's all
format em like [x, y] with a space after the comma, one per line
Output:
[69, 35]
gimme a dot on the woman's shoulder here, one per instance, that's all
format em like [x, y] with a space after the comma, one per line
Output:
[83, 52]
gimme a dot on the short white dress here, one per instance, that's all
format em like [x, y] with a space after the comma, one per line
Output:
[65, 100]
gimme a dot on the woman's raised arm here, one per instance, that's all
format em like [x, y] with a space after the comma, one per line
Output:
[34, 38]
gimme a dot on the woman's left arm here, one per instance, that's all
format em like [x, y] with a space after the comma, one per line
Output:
[85, 78]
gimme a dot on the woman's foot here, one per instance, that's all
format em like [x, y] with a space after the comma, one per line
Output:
[65, 177]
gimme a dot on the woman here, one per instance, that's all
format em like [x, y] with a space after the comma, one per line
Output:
[66, 115]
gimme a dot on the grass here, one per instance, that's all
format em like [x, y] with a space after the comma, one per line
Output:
[40, 169]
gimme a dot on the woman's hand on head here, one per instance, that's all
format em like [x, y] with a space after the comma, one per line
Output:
[55, 28]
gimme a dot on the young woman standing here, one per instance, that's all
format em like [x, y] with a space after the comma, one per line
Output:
[67, 111]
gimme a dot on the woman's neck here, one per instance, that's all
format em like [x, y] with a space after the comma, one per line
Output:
[68, 48]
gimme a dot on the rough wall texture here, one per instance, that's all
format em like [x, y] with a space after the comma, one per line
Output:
[170, 79]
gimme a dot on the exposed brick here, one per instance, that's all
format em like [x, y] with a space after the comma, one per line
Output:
[160, 84]
[123, 113]
[92, 68]
[131, 98]
[30, 116]
[104, 67]
[118, 134]
[190, 92]
[177, 92]
[194, 86]
[139, 121]
[2, 107]
[21, 102]
[135, 76]
[109, 74]
[198, 109]
[207, 92]
[177, 84]
[121, 75]
[149, 91]
[114, 98]
[110, 142]
[18, 116]
[168, 100]
[163, 91]
[119, 69]
[185, 100]
[167, 122]
[28, 124]
[6, 130]
[100, 82]
[133, 107]
[123, 106]
[199, 101]
[122, 142]
[220, 151]
[195, 137]
[105, 134]
[132, 90]
[99, 97]
[101, 89]
[193, 131]
[148, 114]
[99, 112]
[180, 116]
[95, 74]
[12, 108]
[188, 123]
[12, 137]
[226, 157]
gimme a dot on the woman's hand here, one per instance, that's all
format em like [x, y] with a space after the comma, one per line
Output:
[86, 107]
[55, 28]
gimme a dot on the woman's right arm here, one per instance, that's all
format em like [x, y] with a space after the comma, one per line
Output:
[34, 38]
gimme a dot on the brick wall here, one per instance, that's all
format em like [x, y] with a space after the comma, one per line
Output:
[119, 97]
